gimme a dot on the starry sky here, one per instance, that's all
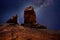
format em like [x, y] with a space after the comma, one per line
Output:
[47, 11]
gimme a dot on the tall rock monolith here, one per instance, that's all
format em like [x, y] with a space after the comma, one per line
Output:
[29, 15]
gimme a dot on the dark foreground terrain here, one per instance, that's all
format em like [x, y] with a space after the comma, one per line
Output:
[16, 32]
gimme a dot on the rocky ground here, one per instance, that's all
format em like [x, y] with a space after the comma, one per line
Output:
[17, 32]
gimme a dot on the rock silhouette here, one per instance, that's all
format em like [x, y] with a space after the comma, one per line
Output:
[29, 15]
[13, 20]
[30, 19]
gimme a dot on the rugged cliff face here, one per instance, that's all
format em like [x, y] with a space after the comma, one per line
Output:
[29, 15]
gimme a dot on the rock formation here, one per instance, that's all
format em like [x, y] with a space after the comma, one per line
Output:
[13, 20]
[29, 15]
[30, 19]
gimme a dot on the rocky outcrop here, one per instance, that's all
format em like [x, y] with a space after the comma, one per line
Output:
[13, 20]
[29, 15]
[30, 19]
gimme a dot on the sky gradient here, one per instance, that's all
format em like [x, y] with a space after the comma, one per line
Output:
[47, 11]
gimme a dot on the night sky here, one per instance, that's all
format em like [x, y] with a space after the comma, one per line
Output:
[47, 11]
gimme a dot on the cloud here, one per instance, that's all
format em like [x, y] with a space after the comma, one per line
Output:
[47, 3]
[42, 3]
